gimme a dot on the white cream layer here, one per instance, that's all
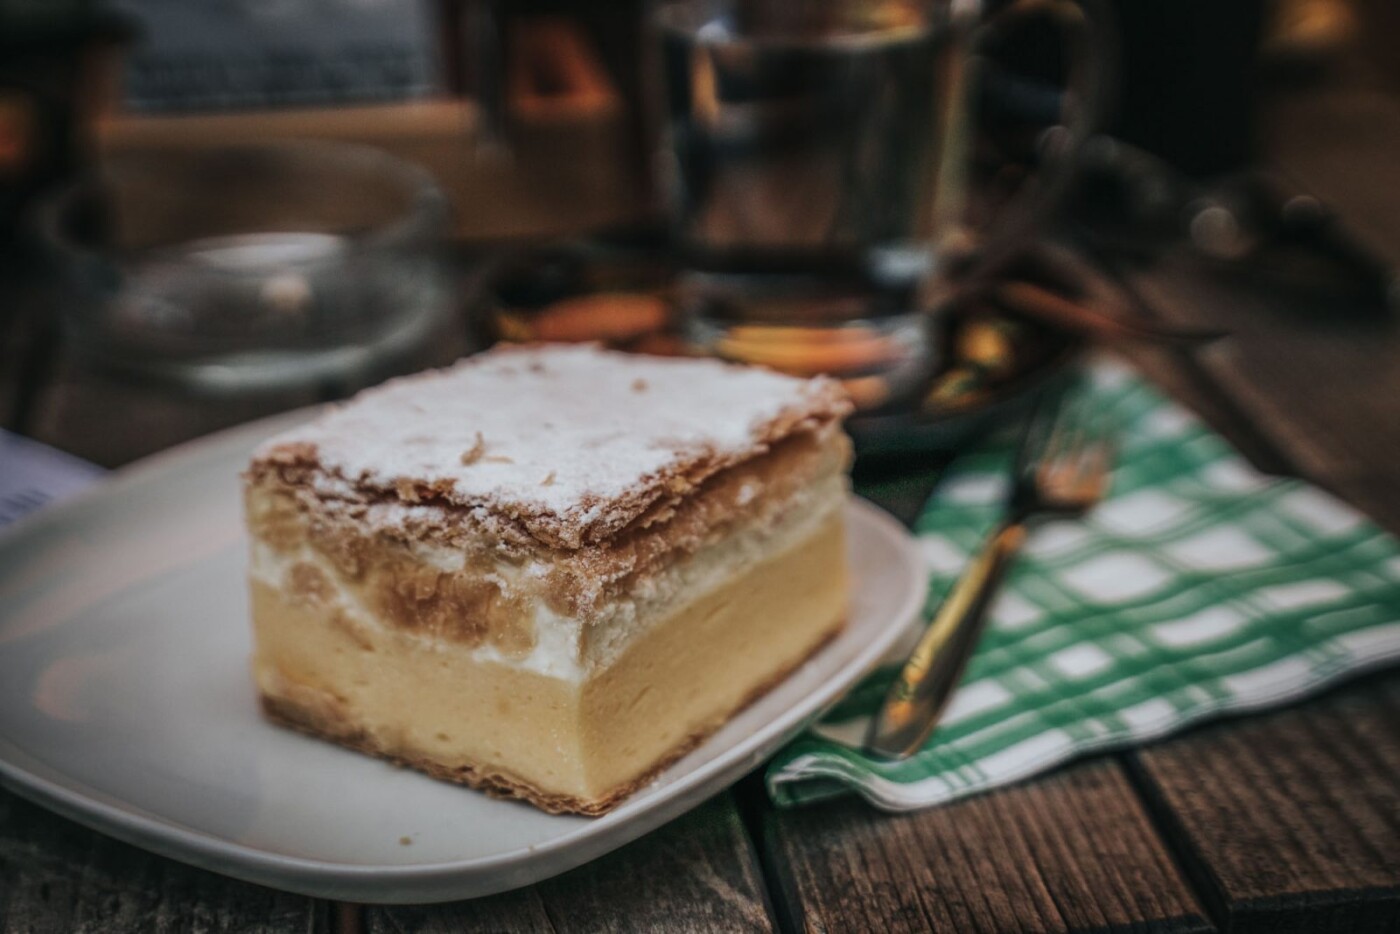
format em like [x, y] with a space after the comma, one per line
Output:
[558, 650]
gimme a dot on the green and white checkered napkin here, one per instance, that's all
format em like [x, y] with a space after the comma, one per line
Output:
[1200, 586]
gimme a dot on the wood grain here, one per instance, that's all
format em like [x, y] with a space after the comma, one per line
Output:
[1285, 822]
[518, 912]
[697, 874]
[1338, 142]
[1290, 822]
[1321, 384]
[56, 876]
[1074, 852]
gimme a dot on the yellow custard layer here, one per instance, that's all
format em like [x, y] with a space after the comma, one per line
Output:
[565, 744]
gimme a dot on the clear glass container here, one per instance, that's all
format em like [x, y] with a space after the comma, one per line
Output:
[252, 267]
[868, 338]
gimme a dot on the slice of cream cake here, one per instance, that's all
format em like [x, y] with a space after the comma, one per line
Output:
[547, 572]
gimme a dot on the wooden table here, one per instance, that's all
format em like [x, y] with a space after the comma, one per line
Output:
[1282, 822]
[1288, 821]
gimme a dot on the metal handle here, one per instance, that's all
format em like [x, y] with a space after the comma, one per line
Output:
[916, 699]
[1086, 28]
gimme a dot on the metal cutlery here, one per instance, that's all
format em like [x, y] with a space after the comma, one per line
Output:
[1062, 470]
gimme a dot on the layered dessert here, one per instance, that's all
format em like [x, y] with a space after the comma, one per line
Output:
[547, 572]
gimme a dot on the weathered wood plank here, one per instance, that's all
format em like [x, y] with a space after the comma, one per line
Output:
[1073, 852]
[1322, 386]
[56, 876]
[1290, 822]
[28, 339]
[518, 912]
[697, 874]
[1337, 141]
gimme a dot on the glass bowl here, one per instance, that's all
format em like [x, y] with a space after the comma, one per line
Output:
[257, 266]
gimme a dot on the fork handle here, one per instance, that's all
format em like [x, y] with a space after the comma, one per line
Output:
[918, 695]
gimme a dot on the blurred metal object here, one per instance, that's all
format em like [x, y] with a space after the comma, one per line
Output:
[986, 350]
[1062, 469]
[1038, 302]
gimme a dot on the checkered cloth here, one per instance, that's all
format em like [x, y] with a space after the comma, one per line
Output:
[1199, 587]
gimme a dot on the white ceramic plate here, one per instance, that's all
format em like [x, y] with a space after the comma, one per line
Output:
[126, 704]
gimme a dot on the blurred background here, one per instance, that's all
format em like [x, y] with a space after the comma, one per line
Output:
[213, 211]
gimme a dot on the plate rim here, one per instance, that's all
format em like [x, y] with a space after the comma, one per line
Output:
[443, 880]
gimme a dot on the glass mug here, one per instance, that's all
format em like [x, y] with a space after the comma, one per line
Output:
[816, 155]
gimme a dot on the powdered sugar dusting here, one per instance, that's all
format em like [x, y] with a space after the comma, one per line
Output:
[558, 437]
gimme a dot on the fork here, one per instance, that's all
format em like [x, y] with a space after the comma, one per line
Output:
[1062, 470]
